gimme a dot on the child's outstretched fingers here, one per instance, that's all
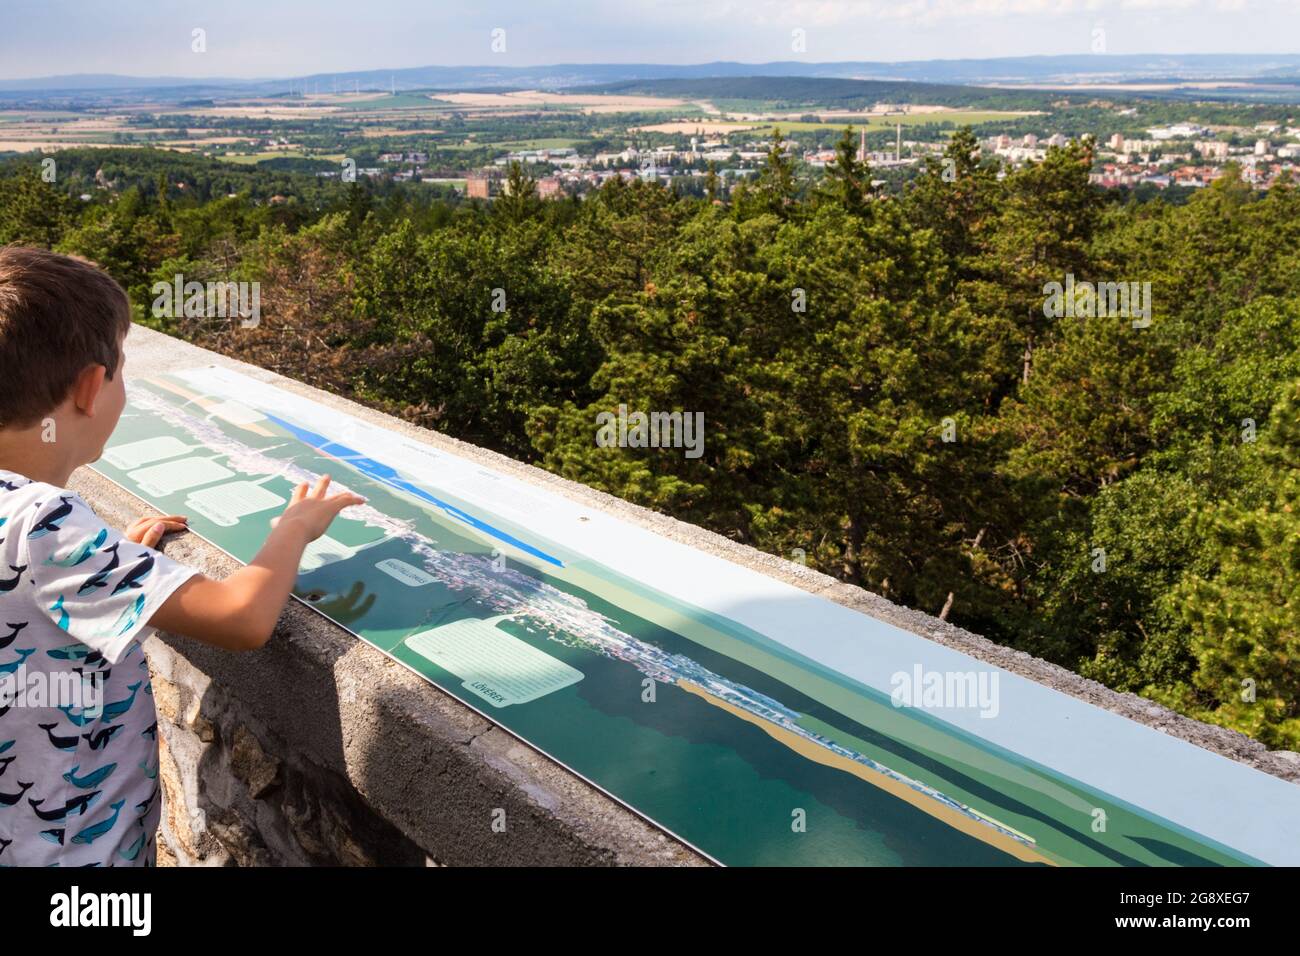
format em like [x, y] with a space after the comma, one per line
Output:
[141, 531]
[345, 499]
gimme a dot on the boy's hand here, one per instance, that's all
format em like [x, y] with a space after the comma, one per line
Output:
[240, 612]
[311, 511]
[149, 530]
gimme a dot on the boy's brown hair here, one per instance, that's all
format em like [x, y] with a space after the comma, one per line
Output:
[58, 316]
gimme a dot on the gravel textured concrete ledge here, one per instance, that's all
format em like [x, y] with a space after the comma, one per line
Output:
[432, 767]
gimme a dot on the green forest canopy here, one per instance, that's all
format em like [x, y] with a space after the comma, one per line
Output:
[1119, 500]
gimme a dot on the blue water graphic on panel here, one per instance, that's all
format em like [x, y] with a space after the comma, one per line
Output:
[391, 477]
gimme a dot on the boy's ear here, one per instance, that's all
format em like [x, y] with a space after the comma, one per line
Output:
[88, 387]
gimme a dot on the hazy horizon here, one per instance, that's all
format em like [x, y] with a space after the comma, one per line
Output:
[215, 77]
[297, 37]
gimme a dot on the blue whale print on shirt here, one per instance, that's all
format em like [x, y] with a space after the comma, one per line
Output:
[50, 523]
[100, 578]
[81, 552]
[138, 572]
[96, 830]
[12, 667]
[118, 708]
[13, 635]
[90, 780]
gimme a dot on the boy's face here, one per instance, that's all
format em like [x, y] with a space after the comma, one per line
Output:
[111, 401]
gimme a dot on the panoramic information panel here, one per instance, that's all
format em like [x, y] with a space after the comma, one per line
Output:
[750, 719]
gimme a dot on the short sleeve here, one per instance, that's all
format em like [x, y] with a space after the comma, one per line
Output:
[93, 583]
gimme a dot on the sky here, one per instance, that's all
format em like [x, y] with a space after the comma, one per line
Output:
[274, 38]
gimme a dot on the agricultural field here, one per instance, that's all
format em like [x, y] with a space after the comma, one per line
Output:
[360, 124]
[890, 121]
[703, 127]
[595, 102]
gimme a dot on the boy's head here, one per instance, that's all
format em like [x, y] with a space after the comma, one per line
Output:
[62, 325]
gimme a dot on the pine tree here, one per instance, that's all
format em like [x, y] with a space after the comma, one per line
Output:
[848, 179]
[518, 200]
[774, 189]
[32, 211]
[1245, 617]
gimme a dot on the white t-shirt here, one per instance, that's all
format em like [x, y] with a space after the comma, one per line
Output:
[78, 732]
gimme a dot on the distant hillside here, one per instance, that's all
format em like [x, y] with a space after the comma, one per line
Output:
[797, 92]
[1027, 69]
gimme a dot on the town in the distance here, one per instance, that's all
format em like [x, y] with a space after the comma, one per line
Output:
[697, 135]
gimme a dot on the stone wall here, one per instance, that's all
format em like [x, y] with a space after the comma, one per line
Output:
[318, 749]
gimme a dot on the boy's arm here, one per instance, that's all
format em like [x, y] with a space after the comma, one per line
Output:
[240, 612]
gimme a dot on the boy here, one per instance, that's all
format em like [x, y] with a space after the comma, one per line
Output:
[78, 732]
